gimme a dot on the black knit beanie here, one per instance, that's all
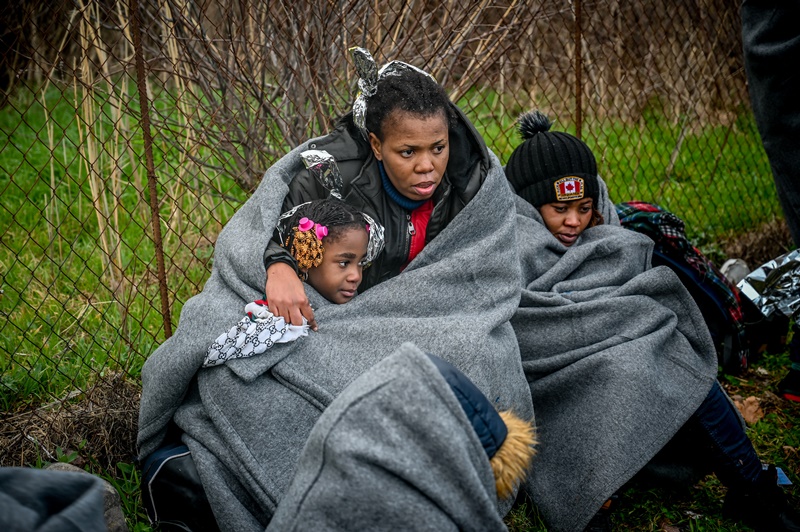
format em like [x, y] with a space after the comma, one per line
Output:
[550, 167]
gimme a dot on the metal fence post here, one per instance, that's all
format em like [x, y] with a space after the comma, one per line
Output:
[144, 106]
[578, 70]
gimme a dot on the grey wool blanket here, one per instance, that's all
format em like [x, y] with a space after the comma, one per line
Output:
[617, 355]
[394, 451]
[247, 421]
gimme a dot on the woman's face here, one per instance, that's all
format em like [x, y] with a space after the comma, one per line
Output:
[567, 219]
[414, 151]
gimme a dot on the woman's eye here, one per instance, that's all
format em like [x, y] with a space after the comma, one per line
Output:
[344, 263]
[407, 153]
[438, 149]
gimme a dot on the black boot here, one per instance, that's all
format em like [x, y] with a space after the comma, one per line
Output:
[764, 507]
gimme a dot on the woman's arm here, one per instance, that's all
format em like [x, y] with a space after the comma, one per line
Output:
[287, 297]
[283, 289]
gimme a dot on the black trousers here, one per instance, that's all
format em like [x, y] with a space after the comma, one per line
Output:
[771, 41]
[172, 493]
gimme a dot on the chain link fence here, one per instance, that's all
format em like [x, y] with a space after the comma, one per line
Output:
[131, 131]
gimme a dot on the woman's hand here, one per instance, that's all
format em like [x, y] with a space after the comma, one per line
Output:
[286, 296]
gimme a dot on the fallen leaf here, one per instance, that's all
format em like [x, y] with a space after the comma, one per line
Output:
[664, 526]
[762, 371]
[750, 408]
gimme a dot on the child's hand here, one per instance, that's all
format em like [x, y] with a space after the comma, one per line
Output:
[286, 296]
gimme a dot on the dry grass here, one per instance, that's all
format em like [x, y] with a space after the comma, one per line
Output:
[99, 424]
[761, 244]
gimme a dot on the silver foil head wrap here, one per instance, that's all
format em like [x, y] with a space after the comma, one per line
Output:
[775, 285]
[375, 242]
[368, 76]
[283, 223]
[367, 71]
[323, 167]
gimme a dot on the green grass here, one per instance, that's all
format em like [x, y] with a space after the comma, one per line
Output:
[68, 315]
[126, 481]
[720, 181]
[66, 318]
[775, 437]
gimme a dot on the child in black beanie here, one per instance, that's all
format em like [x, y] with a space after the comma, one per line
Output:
[556, 173]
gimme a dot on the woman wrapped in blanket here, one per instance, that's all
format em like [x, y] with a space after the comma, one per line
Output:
[616, 354]
[406, 156]
[411, 161]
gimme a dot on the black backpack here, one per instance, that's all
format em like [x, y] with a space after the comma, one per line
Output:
[739, 330]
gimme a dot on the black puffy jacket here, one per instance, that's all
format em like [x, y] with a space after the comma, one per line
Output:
[362, 188]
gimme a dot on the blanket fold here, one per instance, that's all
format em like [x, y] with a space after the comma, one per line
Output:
[617, 357]
[394, 451]
[454, 300]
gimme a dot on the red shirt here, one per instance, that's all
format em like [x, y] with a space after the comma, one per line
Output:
[419, 227]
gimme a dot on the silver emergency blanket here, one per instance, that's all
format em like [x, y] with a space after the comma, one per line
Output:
[322, 165]
[368, 76]
[775, 285]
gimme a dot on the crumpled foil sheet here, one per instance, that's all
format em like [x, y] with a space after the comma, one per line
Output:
[775, 285]
[323, 167]
[376, 240]
[367, 71]
[368, 76]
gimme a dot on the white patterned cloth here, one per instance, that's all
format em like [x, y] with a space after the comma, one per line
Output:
[255, 333]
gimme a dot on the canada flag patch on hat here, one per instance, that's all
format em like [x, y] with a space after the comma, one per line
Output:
[569, 188]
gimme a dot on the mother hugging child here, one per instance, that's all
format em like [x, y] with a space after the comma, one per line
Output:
[371, 403]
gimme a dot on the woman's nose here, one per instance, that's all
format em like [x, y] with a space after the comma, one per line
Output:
[425, 165]
[572, 220]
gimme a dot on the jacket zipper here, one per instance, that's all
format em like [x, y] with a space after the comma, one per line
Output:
[410, 230]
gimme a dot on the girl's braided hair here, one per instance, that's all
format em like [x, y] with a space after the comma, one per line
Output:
[409, 91]
[305, 246]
